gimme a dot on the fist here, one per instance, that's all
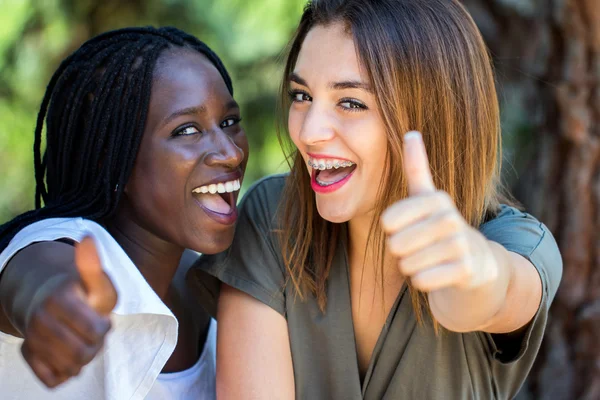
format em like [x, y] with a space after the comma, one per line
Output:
[67, 329]
[434, 246]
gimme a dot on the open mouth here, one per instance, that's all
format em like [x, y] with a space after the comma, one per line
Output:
[219, 198]
[330, 177]
[330, 173]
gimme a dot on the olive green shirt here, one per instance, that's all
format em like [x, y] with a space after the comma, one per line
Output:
[409, 361]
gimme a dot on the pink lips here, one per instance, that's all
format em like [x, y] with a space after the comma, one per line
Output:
[330, 188]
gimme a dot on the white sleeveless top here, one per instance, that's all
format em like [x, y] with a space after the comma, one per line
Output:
[198, 382]
[142, 339]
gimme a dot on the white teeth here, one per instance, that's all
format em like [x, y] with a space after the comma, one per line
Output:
[221, 187]
[328, 164]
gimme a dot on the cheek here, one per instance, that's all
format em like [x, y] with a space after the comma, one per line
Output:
[295, 122]
[367, 139]
[160, 177]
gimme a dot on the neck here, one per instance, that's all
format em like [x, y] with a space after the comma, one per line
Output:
[361, 251]
[156, 259]
[358, 235]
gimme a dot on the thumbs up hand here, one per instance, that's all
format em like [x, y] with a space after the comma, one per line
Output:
[66, 330]
[435, 247]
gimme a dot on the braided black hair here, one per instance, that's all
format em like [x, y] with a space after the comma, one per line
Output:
[95, 109]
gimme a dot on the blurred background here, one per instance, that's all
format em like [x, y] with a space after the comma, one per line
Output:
[547, 58]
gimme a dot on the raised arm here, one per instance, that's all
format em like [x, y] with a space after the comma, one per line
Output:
[57, 297]
[474, 284]
[254, 359]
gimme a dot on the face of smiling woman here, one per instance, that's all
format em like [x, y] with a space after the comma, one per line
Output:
[335, 123]
[193, 145]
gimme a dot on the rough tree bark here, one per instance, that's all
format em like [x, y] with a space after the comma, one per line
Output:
[547, 55]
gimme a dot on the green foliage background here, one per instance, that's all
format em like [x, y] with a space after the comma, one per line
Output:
[35, 35]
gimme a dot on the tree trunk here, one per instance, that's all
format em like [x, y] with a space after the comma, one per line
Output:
[547, 56]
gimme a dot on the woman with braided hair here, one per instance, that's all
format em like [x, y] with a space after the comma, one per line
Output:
[144, 158]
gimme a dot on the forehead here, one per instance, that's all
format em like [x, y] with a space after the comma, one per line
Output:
[183, 73]
[328, 52]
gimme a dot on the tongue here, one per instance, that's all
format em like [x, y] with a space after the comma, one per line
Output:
[330, 176]
[215, 203]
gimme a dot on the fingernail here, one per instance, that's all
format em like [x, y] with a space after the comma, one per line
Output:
[412, 135]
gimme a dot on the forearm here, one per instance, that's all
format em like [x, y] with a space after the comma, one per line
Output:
[466, 310]
[29, 277]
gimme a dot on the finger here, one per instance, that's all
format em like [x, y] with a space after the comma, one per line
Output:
[39, 368]
[416, 165]
[419, 236]
[46, 372]
[440, 253]
[440, 277]
[101, 294]
[58, 347]
[408, 211]
[77, 315]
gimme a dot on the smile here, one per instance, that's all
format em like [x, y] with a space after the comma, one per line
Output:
[221, 187]
[218, 198]
[330, 174]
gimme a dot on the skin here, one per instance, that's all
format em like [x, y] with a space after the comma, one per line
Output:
[428, 240]
[192, 136]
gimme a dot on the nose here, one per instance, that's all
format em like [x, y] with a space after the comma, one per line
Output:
[225, 152]
[317, 127]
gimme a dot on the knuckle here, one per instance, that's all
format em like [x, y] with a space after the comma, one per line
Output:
[461, 245]
[75, 370]
[97, 328]
[452, 221]
[393, 246]
[466, 268]
[102, 326]
[58, 381]
[404, 269]
[442, 199]
[418, 281]
[80, 355]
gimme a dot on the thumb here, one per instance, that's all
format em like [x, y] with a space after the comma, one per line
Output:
[416, 165]
[100, 292]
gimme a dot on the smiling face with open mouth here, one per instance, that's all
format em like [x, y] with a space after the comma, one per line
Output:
[335, 124]
[189, 169]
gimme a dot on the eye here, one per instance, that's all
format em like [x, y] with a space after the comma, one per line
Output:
[230, 122]
[186, 131]
[299, 96]
[352, 105]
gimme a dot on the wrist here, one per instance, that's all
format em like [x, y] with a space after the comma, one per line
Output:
[473, 308]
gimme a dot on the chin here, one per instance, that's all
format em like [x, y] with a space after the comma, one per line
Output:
[213, 242]
[333, 212]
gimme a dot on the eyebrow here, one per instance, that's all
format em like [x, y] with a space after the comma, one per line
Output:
[334, 85]
[196, 111]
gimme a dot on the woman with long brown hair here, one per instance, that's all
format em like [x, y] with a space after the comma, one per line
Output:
[385, 264]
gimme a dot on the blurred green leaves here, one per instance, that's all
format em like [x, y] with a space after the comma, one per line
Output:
[36, 35]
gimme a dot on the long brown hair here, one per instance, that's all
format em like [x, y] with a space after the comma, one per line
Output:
[431, 72]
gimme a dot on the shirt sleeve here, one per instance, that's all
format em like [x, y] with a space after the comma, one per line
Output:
[253, 263]
[512, 355]
[47, 230]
